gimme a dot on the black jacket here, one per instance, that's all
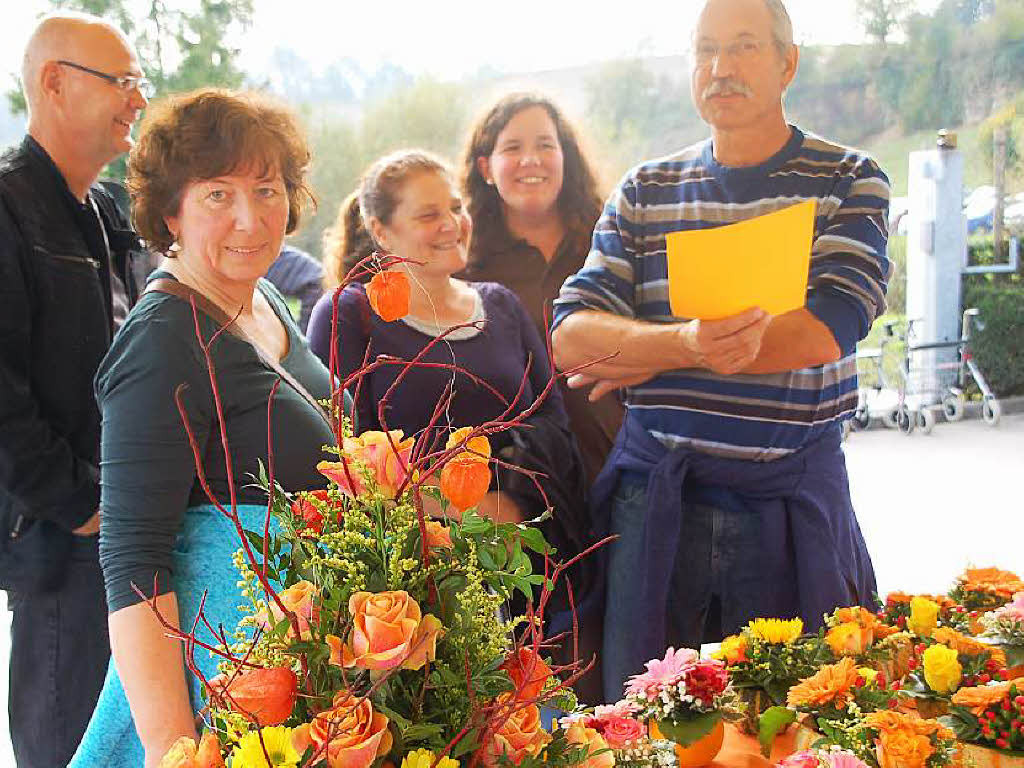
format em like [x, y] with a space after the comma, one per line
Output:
[55, 327]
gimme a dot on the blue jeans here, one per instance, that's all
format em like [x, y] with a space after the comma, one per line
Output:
[724, 575]
[59, 652]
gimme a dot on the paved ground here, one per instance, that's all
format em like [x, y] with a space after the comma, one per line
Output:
[928, 506]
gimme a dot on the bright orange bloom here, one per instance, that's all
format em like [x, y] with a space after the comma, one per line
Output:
[903, 749]
[465, 483]
[829, 685]
[848, 638]
[992, 580]
[266, 695]
[354, 733]
[184, 753]
[388, 292]
[982, 696]
[522, 663]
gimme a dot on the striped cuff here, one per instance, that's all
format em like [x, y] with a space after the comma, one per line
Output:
[843, 315]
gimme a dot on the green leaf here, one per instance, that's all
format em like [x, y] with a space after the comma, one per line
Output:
[686, 732]
[486, 559]
[533, 539]
[771, 722]
[467, 745]
[777, 690]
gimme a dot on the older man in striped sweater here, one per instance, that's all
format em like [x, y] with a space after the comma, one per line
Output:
[728, 487]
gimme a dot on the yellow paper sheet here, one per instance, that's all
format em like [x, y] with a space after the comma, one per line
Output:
[761, 262]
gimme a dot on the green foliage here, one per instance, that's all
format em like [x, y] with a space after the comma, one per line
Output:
[772, 721]
[999, 346]
[880, 18]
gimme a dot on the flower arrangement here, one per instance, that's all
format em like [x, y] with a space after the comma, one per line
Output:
[840, 692]
[1005, 628]
[370, 633]
[986, 588]
[828, 757]
[766, 659]
[624, 735]
[853, 631]
[682, 696]
[897, 609]
[990, 715]
[891, 739]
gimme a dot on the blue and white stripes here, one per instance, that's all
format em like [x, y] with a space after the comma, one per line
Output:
[744, 416]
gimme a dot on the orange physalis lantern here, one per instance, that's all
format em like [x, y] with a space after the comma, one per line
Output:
[465, 482]
[388, 292]
[528, 671]
[268, 695]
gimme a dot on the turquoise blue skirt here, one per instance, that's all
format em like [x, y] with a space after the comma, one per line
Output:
[202, 561]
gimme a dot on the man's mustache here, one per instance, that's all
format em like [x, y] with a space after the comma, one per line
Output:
[727, 86]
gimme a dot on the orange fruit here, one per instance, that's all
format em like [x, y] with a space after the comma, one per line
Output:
[701, 752]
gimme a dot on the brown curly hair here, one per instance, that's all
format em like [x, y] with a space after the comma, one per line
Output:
[578, 201]
[208, 133]
[349, 241]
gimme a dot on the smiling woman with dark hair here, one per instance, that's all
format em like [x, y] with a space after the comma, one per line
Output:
[532, 195]
[217, 179]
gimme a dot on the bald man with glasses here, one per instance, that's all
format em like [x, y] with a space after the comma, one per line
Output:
[69, 270]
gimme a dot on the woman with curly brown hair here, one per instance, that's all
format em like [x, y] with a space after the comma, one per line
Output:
[217, 178]
[533, 199]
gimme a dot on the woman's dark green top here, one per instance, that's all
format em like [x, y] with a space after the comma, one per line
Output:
[147, 469]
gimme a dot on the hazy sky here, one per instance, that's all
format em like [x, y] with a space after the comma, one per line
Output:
[452, 37]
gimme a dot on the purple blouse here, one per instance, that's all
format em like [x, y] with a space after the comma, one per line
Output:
[499, 354]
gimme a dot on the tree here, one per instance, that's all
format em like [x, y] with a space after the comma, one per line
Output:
[880, 18]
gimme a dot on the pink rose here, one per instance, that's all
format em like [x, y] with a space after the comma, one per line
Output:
[619, 731]
[807, 758]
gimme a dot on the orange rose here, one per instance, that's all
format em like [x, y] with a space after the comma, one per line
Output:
[184, 753]
[388, 630]
[903, 749]
[355, 735]
[994, 580]
[388, 292]
[299, 598]
[848, 638]
[520, 735]
[829, 685]
[732, 650]
[528, 671]
[380, 457]
[266, 695]
[979, 697]
[581, 736]
[438, 536]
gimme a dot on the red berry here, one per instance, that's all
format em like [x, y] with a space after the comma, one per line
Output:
[1003, 674]
[1019, 701]
[912, 664]
[990, 715]
[991, 665]
[901, 622]
[983, 678]
[1005, 704]
[895, 685]
[919, 649]
[859, 682]
[1002, 743]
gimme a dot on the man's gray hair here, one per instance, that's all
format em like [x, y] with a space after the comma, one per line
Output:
[782, 25]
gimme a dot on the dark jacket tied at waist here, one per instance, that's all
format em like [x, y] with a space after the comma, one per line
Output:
[803, 496]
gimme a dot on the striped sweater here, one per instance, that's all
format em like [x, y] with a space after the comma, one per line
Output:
[764, 416]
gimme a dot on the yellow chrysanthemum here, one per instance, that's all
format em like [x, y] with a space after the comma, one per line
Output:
[776, 631]
[278, 741]
[424, 758]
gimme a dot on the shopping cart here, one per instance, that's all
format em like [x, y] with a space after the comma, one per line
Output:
[928, 384]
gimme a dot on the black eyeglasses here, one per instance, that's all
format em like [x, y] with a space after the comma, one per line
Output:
[124, 83]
